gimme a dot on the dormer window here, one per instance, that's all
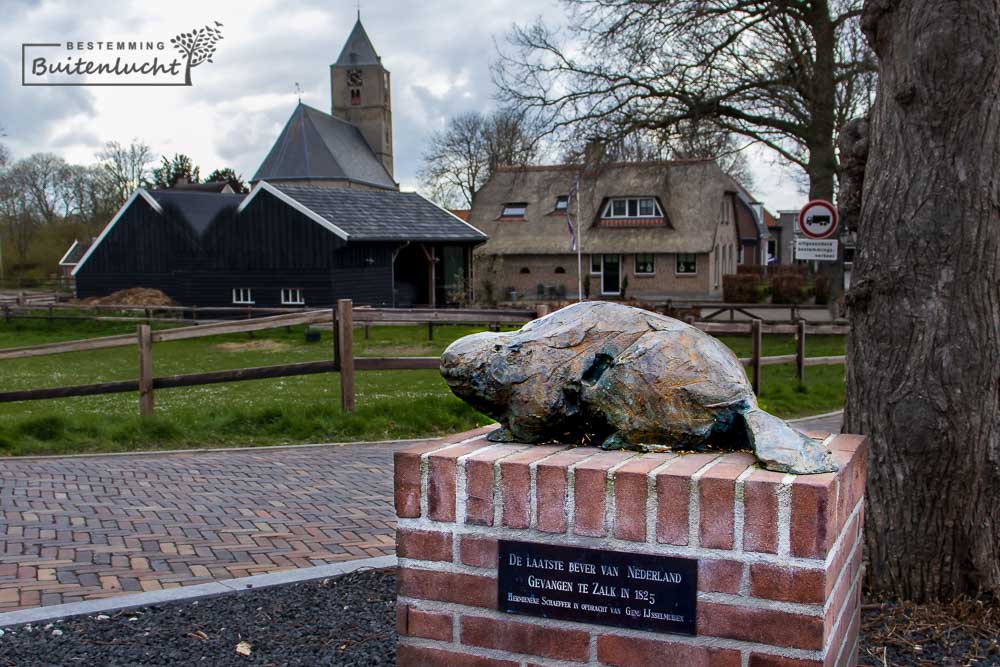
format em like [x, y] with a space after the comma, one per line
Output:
[633, 207]
[562, 201]
[514, 210]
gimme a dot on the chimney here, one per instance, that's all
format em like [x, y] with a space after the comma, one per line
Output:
[593, 153]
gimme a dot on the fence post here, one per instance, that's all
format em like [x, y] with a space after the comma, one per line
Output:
[145, 371]
[366, 331]
[755, 359]
[800, 351]
[6, 314]
[542, 310]
[345, 344]
[430, 331]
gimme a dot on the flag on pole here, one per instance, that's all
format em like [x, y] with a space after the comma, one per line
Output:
[569, 218]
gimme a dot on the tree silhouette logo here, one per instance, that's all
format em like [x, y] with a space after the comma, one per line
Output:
[198, 46]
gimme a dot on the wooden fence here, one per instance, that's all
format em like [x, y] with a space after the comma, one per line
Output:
[343, 319]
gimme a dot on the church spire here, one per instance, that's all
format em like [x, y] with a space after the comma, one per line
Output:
[358, 49]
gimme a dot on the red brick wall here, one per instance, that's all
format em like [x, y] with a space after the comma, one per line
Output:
[779, 555]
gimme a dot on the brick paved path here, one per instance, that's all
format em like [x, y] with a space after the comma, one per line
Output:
[76, 529]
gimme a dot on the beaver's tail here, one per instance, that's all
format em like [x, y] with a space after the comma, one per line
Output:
[781, 449]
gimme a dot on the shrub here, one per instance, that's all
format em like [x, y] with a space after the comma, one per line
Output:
[787, 288]
[750, 270]
[742, 288]
[786, 270]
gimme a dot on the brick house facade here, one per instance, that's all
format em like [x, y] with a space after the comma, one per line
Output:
[648, 230]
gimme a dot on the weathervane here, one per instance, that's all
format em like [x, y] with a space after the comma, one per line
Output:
[298, 91]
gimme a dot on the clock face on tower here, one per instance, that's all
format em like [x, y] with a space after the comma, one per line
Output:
[354, 77]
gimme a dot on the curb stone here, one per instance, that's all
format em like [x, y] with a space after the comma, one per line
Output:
[196, 592]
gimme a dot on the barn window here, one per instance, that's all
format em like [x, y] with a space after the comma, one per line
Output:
[242, 295]
[644, 265]
[292, 296]
[525, 270]
[687, 264]
[514, 210]
[560, 269]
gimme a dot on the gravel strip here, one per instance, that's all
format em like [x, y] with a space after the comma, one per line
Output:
[349, 620]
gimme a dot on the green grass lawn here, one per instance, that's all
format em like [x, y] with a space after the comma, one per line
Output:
[390, 404]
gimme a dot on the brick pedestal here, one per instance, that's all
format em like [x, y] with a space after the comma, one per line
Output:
[779, 556]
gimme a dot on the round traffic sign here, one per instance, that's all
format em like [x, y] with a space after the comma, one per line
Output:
[818, 219]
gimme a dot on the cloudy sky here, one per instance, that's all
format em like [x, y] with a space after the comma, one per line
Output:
[438, 51]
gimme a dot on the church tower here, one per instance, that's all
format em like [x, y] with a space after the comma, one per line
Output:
[360, 90]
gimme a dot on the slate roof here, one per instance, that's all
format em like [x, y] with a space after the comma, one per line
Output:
[358, 49]
[211, 186]
[197, 209]
[316, 146]
[75, 252]
[380, 215]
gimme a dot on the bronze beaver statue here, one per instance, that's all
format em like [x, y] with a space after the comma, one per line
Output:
[609, 374]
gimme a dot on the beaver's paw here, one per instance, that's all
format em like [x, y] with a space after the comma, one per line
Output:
[500, 435]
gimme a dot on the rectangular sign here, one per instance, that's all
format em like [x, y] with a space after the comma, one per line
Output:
[818, 250]
[595, 586]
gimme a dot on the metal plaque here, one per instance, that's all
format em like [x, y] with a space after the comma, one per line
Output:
[595, 586]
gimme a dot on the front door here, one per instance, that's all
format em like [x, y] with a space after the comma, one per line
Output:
[611, 274]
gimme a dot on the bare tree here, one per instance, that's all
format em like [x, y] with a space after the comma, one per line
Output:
[461, 158]
[41, 180]
[4, 152]
[198, 46]
[19, 224]
[89, 196]
[126, 168]
[688, 141]
[785, 73]
[925, 341]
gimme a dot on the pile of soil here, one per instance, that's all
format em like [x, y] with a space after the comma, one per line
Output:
[134, 296]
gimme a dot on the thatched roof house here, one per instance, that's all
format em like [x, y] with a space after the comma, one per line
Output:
[652, 230]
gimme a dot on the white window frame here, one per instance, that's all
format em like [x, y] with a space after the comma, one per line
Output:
[517, 206]
[600, 265]
[677, 261]
[635, 264]
[243, 296]
[609, 208]
[621, 276]
[287, 294]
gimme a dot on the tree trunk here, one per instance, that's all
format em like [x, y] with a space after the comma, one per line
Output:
[923, 376]
[822, 167]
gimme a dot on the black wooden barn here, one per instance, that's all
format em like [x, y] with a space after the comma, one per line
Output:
[283, 245]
